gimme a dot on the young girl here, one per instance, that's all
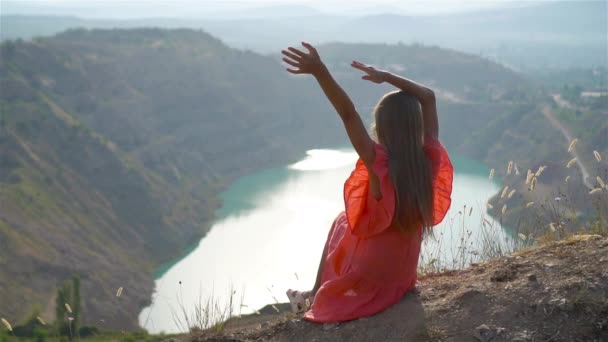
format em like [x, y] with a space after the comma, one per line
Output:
[400, 187]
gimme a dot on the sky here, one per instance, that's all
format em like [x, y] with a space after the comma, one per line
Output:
[209, 8]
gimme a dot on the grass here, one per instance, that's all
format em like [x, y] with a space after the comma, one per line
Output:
[550, 210]
[102, 337]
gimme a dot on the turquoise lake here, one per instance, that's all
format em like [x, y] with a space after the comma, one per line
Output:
[270, 233]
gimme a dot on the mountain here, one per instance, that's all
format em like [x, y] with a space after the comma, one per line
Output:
[538, 35]
[114, 145]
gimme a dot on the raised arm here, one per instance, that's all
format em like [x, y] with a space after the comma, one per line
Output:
[425, 95]
[310, 63]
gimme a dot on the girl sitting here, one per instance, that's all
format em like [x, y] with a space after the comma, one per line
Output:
[399, 189]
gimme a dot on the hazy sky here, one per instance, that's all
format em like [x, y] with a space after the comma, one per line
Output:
[198, 8]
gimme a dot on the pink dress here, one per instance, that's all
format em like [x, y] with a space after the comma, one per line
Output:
[369, 264]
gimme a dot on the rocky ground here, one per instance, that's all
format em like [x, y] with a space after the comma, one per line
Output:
[555, 292]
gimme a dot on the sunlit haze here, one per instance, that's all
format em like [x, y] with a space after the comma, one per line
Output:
[208, 8]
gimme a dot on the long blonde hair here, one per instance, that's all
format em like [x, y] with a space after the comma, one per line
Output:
[399, 127]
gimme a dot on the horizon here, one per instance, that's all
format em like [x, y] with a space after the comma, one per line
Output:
[235, 9]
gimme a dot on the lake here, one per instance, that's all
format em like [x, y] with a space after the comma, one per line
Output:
[270, 233]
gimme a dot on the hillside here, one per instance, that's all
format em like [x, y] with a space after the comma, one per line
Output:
[115, 143]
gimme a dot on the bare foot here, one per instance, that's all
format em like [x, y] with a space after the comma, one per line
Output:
[300, 300]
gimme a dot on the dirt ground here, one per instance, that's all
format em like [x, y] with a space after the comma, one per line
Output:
[555, 292]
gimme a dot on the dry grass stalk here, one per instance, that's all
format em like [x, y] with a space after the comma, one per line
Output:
[119, 292]
[504, 191]
[529, 176]
[511, 193]
[597, 155]
[566, 179]
[7, 325]
[68, 308]
[491, 174]
[504, 209]
[540, 170]
[572, 145]
[510, 167]
[595, 190]
[529, 204]
[600, 181]
[552, 226]
[533, 183]
[571, 162]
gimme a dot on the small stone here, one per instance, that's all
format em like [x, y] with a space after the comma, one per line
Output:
[329, 326]
[484, 333]
[532, 277]
[521, 336]
[558, 302]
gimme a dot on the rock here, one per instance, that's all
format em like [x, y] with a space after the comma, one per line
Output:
[521, 336]
[330, 326]
[558, 302]
[484, 334]
[532, 277]
[263, 325]
[503, 274]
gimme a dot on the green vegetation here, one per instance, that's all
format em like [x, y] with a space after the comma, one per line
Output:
[42, 335]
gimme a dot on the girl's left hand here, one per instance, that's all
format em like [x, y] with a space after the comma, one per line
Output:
[304, 63]
[373, 75]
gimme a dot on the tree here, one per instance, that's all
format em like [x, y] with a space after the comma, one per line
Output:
[68, 298]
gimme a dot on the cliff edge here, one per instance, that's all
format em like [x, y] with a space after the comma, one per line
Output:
[554, 292]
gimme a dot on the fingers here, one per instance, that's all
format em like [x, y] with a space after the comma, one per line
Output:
[291, 55]
[310, 49]
[292, 63]
[361, 67]
[294, 71]
[366, 77]
[296, 51]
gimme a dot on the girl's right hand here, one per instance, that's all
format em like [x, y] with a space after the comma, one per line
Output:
[303, 63]
[373, 75]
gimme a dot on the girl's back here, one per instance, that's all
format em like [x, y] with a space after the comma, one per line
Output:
[401, 185]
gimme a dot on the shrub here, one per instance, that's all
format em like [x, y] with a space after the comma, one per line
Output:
[87, 331]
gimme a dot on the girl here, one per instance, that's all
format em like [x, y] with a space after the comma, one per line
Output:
[400, 188]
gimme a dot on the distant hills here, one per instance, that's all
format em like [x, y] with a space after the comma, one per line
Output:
[114, 145]
[542, 35]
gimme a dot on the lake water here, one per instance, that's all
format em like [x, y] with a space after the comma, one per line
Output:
[270, 233]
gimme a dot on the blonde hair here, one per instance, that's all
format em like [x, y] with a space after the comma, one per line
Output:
[399, 127]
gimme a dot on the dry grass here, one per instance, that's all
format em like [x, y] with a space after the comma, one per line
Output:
[530, 218]
[207, 313]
